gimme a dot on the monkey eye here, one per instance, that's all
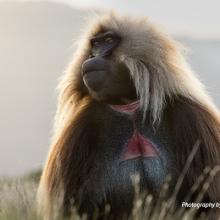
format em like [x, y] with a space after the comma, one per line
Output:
[96, 43]
[109, 40]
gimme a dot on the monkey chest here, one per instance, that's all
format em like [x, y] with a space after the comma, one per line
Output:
[130, 147]
[125, 148]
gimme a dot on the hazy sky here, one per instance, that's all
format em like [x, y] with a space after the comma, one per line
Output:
[189, 17]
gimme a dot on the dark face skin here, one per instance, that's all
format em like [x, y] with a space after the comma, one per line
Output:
[106, 79]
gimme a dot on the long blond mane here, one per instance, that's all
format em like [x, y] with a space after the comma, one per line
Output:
[145, 50]
[156, 65]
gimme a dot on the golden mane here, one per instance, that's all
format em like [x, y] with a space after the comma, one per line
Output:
[144, 49]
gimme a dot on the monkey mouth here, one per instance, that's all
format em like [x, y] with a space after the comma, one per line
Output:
[91, 72]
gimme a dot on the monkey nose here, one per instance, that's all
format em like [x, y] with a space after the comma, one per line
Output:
[94, 64]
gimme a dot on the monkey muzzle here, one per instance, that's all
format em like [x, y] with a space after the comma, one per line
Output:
[94, 71]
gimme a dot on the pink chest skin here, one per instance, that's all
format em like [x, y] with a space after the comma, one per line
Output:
[138, 145]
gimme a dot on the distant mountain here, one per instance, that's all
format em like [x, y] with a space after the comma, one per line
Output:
[35, 47]
[203, 55]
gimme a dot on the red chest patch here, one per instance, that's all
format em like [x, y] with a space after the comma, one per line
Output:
[139, 146]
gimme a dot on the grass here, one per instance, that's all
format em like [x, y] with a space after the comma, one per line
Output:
[18, 198]
[17, 202]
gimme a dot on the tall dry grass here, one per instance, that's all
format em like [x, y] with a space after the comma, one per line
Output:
[18, 198]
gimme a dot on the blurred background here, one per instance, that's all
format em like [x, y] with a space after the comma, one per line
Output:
[36, 44]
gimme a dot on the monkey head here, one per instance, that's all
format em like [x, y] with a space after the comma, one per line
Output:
[122, 59]
[106, 78]
[125, 59]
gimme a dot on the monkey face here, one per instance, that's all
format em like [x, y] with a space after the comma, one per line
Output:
[106, 78]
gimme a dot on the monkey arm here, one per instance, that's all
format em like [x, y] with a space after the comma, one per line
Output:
[192, 122]
[69, 161]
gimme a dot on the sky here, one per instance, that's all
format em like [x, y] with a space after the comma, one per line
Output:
[197, 18]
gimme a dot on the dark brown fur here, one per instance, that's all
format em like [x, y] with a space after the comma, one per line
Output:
[173, 104]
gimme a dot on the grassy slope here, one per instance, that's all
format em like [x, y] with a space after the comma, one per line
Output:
[17, 202]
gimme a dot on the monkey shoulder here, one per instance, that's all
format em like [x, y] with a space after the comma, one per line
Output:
[191, 122]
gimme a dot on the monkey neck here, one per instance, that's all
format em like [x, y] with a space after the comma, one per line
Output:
[138, 145]
[130, 108]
